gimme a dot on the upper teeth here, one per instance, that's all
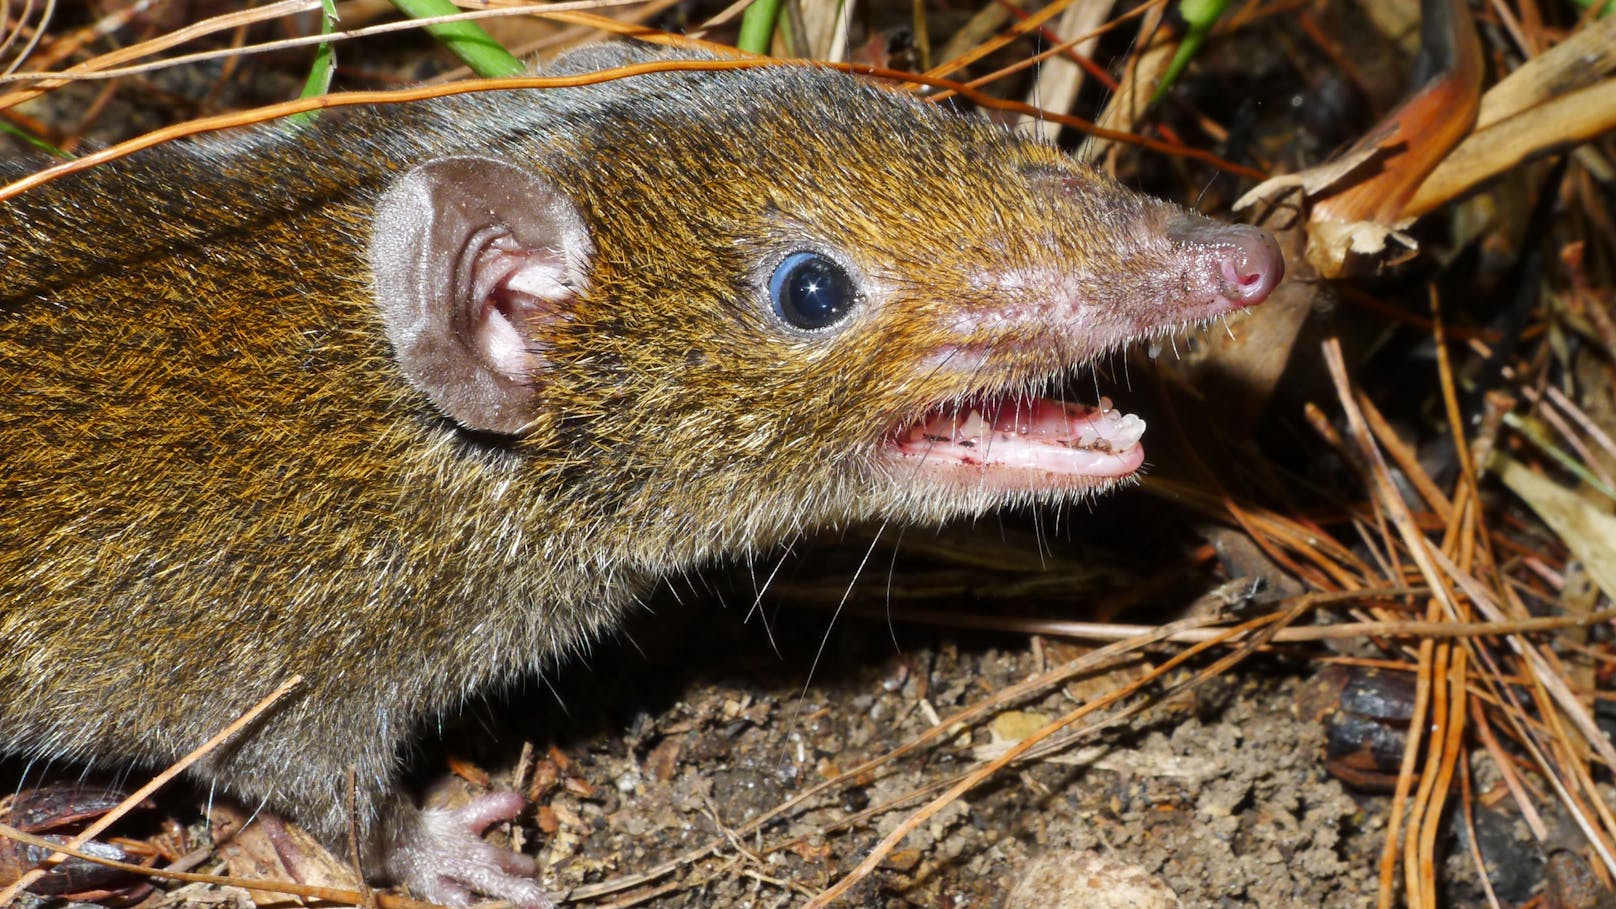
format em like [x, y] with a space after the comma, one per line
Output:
[1103, 429]
[974, 427]
[1127, 431]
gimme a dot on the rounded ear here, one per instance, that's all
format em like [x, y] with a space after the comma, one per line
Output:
[469, 256]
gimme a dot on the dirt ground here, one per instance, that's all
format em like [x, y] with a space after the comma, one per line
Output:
[1219, 796]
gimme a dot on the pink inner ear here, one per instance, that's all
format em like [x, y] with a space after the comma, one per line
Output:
[518, 286]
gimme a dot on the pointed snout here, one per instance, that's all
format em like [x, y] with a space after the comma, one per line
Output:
[1253, 265]
[1247, 258]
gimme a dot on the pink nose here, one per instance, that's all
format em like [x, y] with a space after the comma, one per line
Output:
[1252, 265]
[1242, 262]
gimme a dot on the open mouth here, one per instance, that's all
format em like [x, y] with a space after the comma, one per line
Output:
[1019, 444]
[1024, 442]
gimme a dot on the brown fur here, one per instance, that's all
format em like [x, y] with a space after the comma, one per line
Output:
[214, 476]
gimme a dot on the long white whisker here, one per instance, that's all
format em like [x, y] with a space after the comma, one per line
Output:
[892, 569]
[824, 642]
[757, 601]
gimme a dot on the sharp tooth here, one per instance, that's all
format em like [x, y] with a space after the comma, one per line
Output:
[975, 427]
[1105, 405]
[1154, 348]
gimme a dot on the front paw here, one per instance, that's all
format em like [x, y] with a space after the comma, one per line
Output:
[442, 857]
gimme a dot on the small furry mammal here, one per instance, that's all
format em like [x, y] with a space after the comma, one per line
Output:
[419, 398]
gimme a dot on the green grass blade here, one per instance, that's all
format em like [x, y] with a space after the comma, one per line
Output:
[466, 40]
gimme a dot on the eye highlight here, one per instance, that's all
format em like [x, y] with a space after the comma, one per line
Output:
[812, 291]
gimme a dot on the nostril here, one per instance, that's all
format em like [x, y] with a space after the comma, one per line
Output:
[1239, 276]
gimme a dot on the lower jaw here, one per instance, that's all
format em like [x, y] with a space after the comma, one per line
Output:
[1005, 482]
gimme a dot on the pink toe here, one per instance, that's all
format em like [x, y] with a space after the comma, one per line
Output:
[484, 811]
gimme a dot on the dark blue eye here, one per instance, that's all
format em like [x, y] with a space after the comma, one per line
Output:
[811, 291]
